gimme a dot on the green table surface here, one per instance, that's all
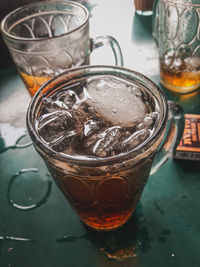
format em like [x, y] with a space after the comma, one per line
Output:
[38, 228]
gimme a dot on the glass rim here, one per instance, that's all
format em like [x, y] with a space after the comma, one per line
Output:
[85, 160]
[17, 38]
[178, 3]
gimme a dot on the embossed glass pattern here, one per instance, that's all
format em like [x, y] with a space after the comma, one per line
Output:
[46, 38]
[176, 27]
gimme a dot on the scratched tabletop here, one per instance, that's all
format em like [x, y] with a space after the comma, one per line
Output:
[38, 228]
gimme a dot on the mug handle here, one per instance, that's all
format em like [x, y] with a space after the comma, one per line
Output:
[113, 43]
[167, 149]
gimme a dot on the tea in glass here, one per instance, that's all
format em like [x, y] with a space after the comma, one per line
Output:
[98, 129]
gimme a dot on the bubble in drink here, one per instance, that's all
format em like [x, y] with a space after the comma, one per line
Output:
[79, 121]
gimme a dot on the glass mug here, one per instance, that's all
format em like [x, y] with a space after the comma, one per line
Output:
[176, 31]
[46, 38]
[79, 119]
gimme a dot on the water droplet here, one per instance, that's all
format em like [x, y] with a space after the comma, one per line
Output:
[22, 142]
[14, 239]
[10, 249]
[71, 238]
[34, 205]
[68, 238]
[11, 137]
[114, 110]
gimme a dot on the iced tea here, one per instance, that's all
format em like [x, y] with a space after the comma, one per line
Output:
[33, 83]
[98, 119]
[179, 81]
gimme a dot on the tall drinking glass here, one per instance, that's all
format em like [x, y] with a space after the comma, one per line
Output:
[176, 27]
[46, 38]
[98, 129]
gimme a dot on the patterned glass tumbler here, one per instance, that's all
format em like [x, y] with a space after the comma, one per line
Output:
[46, 38]
[176, 27]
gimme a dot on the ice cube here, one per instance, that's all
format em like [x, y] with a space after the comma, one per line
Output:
[69, 98]
[135, 139]
[91, 127]
[50, 105]
[169, 58]
[148, 121]
[193, 63]
[52, 125]
[104, 143]
[64, 141]
[114, 100]
[179, 64]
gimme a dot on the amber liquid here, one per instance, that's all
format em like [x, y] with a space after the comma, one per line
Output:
[109, 216]
[33, 83]
[143, 5]
[179, 81]
[104, 202]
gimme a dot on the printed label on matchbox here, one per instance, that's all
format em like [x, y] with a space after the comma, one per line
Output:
[189, 146]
